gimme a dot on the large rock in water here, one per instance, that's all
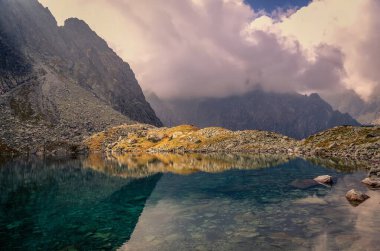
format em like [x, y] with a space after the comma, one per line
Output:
[59, 84]
[373, 179]
[291, 114]
[324, 179]
[373, 183]
[356, 197]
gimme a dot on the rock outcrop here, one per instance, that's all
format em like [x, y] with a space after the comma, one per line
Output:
[60, 84]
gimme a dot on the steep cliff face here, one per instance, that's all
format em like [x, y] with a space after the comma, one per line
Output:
[60, 83]
[13, 66]
[292, 114]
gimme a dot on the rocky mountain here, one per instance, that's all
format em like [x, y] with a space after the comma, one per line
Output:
[291, 114]
[59, 84]
[366, 112]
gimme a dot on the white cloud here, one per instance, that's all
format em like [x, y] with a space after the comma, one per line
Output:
[351, 26]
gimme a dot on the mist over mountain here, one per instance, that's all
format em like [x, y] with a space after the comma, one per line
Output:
[291, 114]
[366, 112]
[60, 83]
[215, 48]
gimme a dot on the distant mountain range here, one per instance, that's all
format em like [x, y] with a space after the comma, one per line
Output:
[59, 84]
[291, 114]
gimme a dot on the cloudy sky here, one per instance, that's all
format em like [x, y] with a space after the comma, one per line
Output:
[223, 47]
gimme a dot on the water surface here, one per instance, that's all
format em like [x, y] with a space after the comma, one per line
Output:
[182, 202]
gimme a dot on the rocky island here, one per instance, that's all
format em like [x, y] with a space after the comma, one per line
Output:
[350, 143]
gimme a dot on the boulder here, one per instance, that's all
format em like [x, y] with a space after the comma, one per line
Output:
[372, 183]
[356, 197]
[153, 137]
[324, 179]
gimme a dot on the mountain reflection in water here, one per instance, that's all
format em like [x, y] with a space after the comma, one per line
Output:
[181, 202]
[53, 205]
[144, 164]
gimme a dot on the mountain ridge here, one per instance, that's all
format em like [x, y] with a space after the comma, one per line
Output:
[59, 84]
[291, 114]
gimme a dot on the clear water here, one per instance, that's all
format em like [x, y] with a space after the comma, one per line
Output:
[140, 203]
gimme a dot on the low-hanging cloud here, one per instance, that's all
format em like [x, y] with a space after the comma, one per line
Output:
[198, 48]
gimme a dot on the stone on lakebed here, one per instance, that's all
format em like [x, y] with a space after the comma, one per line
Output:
[304, 184]
[356, 197]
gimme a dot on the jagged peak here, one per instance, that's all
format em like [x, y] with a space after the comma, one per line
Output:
[315, 96]
[77, 24]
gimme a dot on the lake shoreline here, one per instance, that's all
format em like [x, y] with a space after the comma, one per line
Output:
[345, 144]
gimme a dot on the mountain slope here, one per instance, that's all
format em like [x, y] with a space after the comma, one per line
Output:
[58, 84]
[291, 114]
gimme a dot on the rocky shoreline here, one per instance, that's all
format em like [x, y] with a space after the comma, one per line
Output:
[344, 146]
[344, 143]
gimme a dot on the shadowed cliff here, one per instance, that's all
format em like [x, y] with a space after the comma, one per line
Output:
[59, 84]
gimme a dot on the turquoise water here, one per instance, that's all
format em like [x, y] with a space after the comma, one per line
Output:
[79, 204]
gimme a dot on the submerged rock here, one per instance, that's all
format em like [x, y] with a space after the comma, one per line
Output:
[324, 179]
[313, 200]
[372, 183]
[304, 184]
[356, 197]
